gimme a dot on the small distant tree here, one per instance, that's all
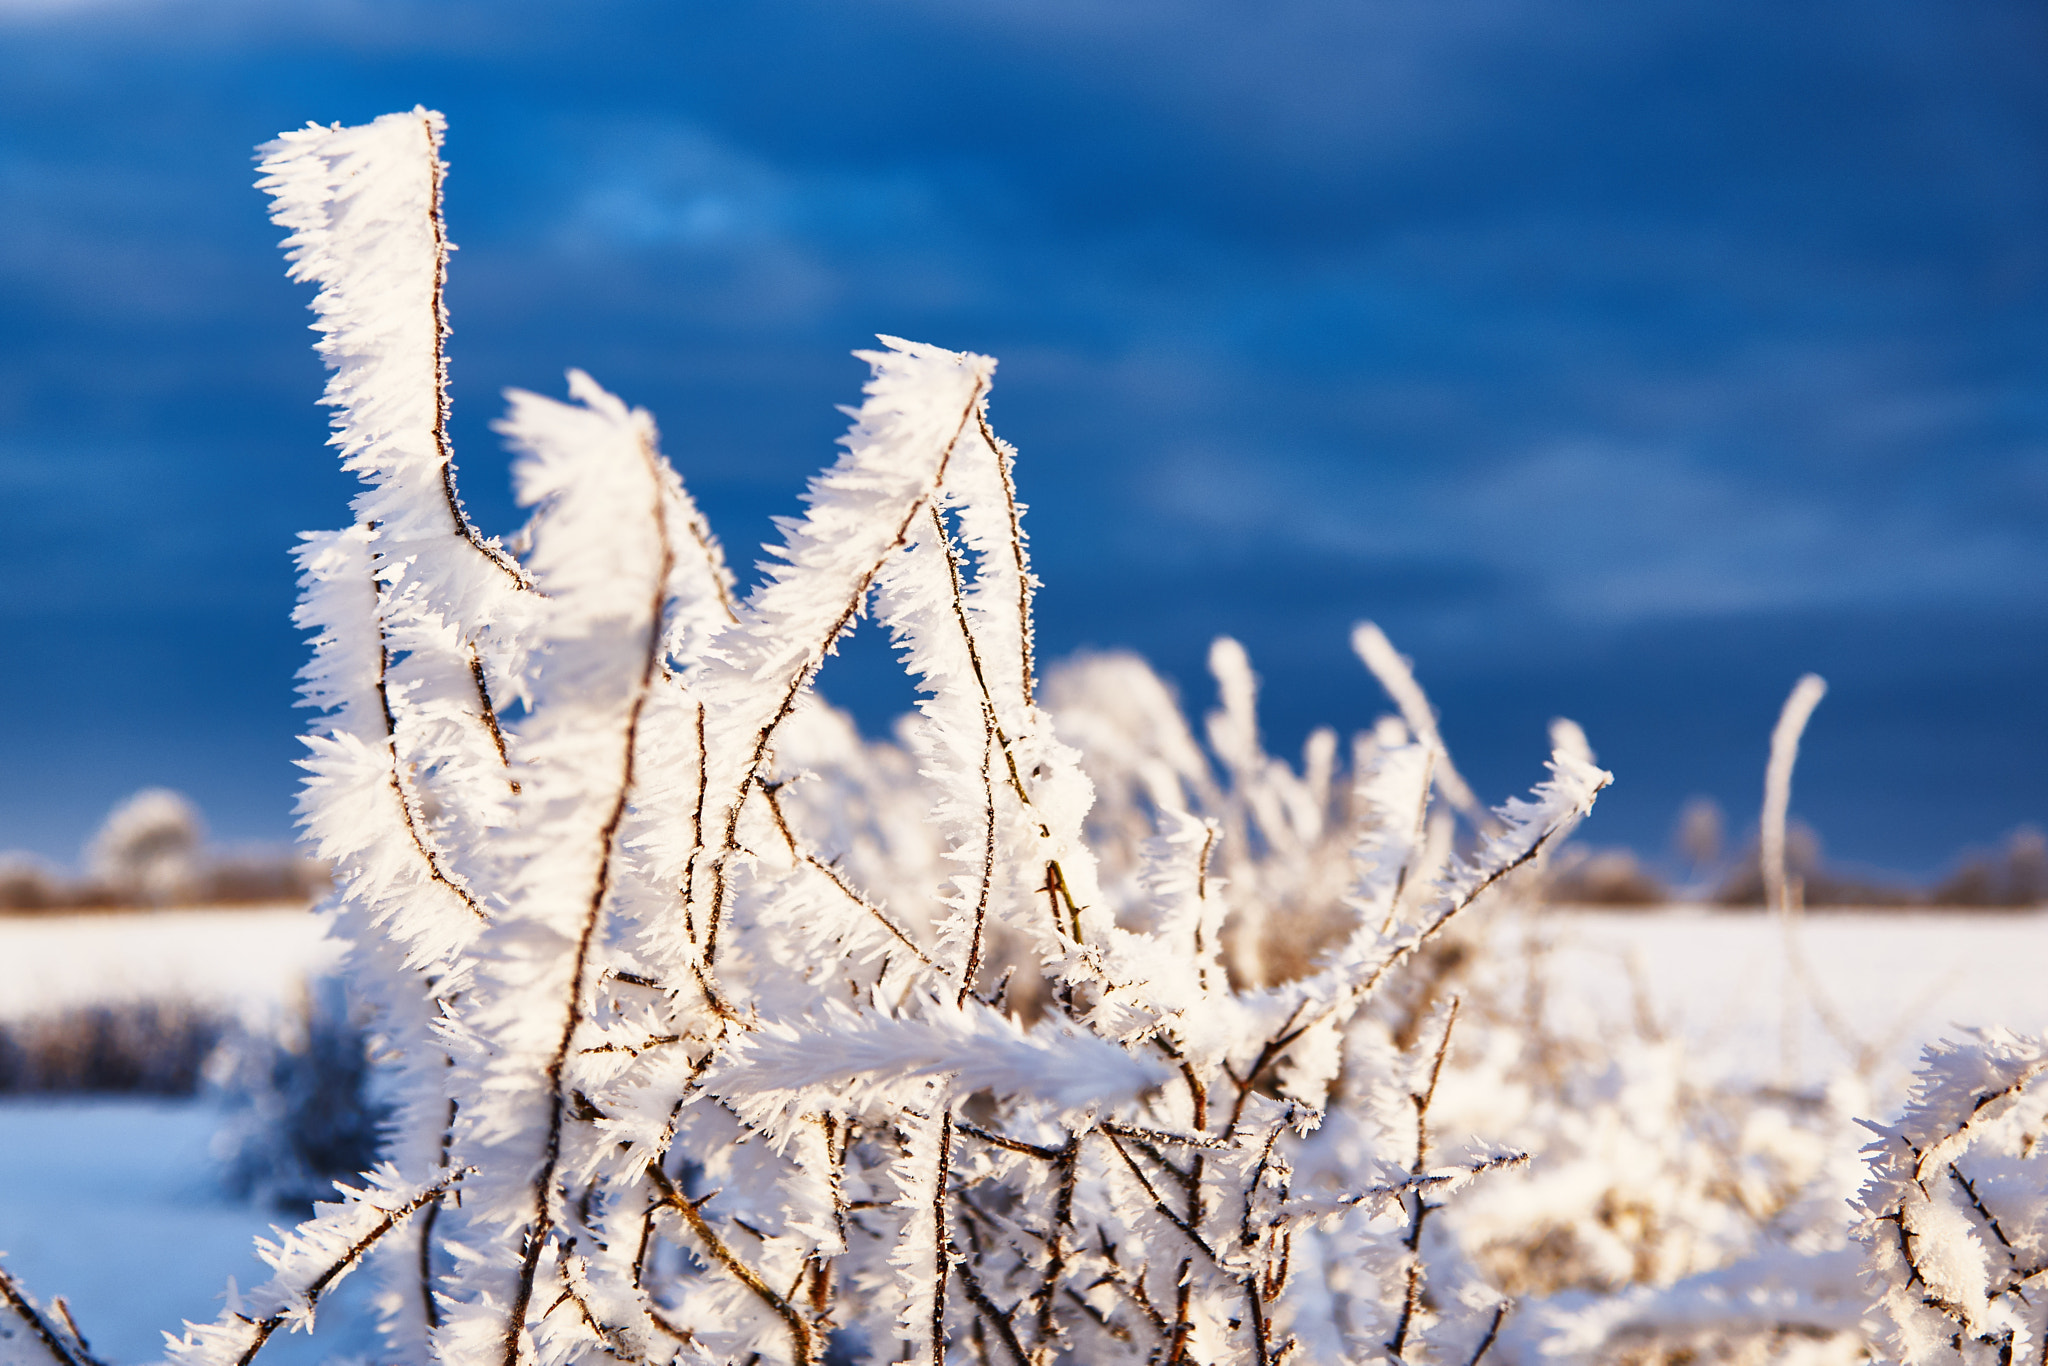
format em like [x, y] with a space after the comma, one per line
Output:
[147, 852]
[2016, 875]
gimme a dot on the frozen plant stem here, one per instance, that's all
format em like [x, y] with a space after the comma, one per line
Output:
[1784, 894]
[1419, 1206]
[1779, 893]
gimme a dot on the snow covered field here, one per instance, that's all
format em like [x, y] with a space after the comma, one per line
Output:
[1719, 978]
[237, 962]
[1723, 981]
[111, 1202]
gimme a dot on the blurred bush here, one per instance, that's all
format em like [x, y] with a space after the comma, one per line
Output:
[147, 1047]
[303, 1110]
[151, 851]
[300, 1106]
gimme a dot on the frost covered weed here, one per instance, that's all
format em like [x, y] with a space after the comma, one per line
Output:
[718, 1033]
[723, 1034]
[1667, 1199]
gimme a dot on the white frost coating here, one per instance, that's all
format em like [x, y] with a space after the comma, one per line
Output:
[308, 1262]
[843, 1052]
[1186, 917]
[1390, 859]
[864, 509]
[417, 622]
[601, 553]
[1805, 696]
[1772, 1293]
[730, 1003]
[1398, 678]
[364, 209]
[1522, 828]
[1524, 825]
[1569, 737]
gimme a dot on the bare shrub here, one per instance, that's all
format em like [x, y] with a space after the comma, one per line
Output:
[151, 1047]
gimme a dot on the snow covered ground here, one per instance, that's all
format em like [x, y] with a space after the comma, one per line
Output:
[111, 1201]
[236, 961]
[1726, 982]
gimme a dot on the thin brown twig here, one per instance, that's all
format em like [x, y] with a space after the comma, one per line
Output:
[464, 528]
[17, 1299]
[1246, 1234]
[991, 718]
[770, 792]
[489, 711]
[350, 1256]
[803, 1339]
[1269, 1053]
[992, 737]
[1020, 556]
[544, 1180]
[1183, 1321]
[1165, 1211]
[1102, 1321]
[1134, 1293]
[1015, 1145]
[1401, 953]
[1990, 1220]
[571, 1270]
[1500, 1312]
[1063, 1220]
[71, 1325]
[1165, 1136]
[942, 1240]
[1056, 884]
[430, 1308]
[1006, 1332]
[1411, 1301]
[2027, 1077]
[415, 820]
[689, 887]
[1430, 1180]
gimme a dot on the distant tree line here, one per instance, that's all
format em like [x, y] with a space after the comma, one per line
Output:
[2013, 875]
[151, 852]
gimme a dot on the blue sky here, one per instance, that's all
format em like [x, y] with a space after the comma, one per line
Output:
[1623, 360]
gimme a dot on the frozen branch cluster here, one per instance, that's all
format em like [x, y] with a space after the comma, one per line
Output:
[1955, 1213]
[1671, 1211]
[720, 1034]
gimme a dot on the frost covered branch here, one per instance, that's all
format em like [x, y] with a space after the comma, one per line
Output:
[59, 1343]
[1955, 1221]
